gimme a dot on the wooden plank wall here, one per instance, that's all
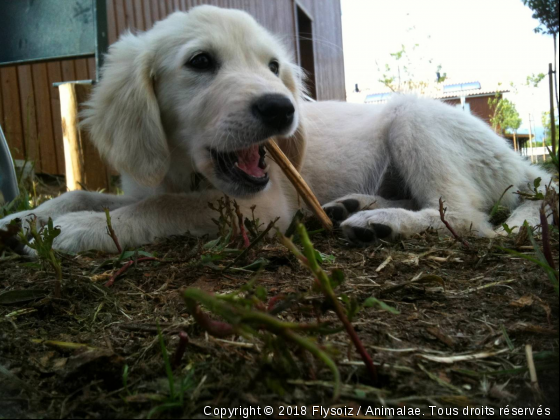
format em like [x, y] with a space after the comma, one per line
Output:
[327, 40]
[479, 106]
[30, 106]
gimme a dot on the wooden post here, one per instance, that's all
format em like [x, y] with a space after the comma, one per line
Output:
[514, 142]
[552, 119]
[73, 151]
[84, 168]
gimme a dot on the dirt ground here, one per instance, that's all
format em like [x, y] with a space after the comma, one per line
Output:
[94, 352]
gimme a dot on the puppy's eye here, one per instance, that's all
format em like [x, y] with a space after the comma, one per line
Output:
[274, 67]
[201, 61]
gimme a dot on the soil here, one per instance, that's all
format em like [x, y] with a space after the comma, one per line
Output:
[95, 353]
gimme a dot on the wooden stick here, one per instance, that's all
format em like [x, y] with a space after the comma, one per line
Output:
[531, 366]
[299, 183]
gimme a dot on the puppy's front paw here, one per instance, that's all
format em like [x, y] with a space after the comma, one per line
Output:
[338, 211]
[365, 236]
[25, 218]
[82, 231]
[368, 227]
[12, 225]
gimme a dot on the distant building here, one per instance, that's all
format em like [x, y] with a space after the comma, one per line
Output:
[469, 96]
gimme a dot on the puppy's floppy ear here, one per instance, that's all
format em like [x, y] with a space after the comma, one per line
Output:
[123, 116]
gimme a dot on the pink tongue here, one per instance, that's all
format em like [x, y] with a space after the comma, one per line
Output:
[248, 162]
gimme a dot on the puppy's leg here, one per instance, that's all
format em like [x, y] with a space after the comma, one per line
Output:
[69, 202]
[367, 227]
[528, 211]
[157, 217]
[438, 152]
[339, 210]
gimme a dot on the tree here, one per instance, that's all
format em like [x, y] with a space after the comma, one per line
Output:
[546, 12]
[407, 72]
[534, 79]
[505, 115]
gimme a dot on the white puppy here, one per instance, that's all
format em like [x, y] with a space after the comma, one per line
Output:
[202, 91]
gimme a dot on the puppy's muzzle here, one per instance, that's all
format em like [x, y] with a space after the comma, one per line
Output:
[275, 111]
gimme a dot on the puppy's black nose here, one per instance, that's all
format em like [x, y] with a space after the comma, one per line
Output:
[275, 111]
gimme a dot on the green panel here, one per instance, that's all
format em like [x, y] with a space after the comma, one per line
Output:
[33, 30]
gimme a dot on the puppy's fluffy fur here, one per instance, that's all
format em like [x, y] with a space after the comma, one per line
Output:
[379, 171]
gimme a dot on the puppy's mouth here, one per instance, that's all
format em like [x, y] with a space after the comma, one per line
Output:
[246, 167]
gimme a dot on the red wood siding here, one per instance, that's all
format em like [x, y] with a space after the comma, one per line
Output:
[479, 106]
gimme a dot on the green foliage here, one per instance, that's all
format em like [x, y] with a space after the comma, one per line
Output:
[125, 379]
[505, 115]
[548, 210]
[551, 272]
[176, 396]
[324, 258]
[42, 244]
[507, 229]
[534, 194]
[246, 313]
[500, 213]
[546, 12]
[540, 259]
[20, 203]
[401, 74]
[28, 197]
[226, 218]
[546, 126]
[554, 161]
[373, 302]
[243, 313]
[534, 79]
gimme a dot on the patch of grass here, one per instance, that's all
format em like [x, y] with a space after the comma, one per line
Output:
[176, 398]
[548, 209]
[125, 379]
[372, 302]
[245, 312]
[552, 164]
[42, 243]
[499, 213]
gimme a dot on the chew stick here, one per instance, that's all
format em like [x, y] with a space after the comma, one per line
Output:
[299, 183]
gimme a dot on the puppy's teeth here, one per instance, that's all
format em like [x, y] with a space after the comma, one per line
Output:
[236, 164]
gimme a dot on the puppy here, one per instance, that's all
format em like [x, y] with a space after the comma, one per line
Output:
[201, 92]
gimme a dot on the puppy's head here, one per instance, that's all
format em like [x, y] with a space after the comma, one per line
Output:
[201, 91]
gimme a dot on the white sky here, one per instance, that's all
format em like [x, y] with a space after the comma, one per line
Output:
[489, 41]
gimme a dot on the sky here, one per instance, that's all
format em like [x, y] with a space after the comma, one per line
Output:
[490, 41]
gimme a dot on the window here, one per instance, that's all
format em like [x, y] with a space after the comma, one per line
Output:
[305, 52]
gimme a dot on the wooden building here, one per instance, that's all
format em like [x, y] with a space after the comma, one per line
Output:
[472, 98]
[30, 105]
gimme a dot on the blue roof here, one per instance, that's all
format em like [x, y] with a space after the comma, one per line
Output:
[375, 97]
[461, 86]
